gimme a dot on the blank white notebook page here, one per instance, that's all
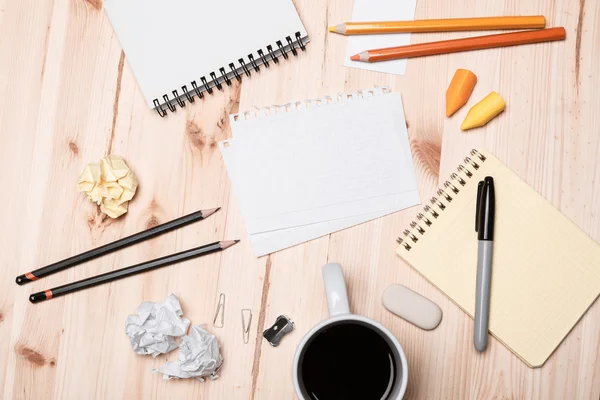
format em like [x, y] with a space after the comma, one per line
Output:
[545, 270]
[170, 43]
[380, 10]
[322, 163]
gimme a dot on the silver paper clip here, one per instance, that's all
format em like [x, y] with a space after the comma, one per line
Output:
[246, 322]
[282, 326]
[221, 310]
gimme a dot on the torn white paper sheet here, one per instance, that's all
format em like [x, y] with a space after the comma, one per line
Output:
[321, 163]
[380, 10]
[154, 328]
[269, 242]
[199, 356]
[253, 125]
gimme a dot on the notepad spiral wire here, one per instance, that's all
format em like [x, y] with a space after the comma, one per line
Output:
[422, 218]
[207, 85]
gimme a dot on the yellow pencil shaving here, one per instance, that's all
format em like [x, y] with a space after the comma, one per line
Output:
[484, 111]
[460, 90]
[110, 184]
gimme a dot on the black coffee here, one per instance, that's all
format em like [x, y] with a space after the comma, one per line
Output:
[347, 361]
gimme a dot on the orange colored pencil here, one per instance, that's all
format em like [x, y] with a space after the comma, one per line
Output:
[440, 25]
[458, 45]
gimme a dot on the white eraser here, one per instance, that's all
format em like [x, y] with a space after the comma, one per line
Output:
[412, 307]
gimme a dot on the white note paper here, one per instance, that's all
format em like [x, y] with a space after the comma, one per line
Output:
[343, 159]
[268, 242]
[380, 10]
[307, 171]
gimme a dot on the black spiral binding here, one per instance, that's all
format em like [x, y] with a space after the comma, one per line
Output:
[292, 44]
[444, 196]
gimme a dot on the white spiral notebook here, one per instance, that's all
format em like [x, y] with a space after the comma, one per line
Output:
[181, 49]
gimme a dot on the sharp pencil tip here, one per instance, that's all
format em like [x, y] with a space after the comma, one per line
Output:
[228, 243]
[341, 29]
[237, 240]
[208, 213]
[355, 57]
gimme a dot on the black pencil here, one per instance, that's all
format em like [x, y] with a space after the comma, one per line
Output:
[114, 246]
[129, 271]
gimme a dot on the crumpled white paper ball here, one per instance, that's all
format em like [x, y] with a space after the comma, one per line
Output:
[199, 357]
[154, 328]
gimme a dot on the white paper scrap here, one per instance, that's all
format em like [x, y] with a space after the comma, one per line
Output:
[199, 356]
[154, 328]
[379, 10]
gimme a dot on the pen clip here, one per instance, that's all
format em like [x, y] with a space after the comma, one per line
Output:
[479, 188]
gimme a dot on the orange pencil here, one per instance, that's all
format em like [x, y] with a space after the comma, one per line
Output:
[458, 45]
[440, 25]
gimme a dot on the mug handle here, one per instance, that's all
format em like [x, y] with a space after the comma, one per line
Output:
[335, 290]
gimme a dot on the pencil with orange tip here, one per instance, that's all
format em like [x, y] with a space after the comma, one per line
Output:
[459, 45]
[440, 25]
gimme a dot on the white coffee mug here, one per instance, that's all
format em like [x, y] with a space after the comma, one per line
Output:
[339, 313]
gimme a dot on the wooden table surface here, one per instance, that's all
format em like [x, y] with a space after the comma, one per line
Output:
[68, 97]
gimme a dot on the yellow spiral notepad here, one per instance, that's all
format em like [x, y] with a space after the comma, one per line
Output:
[546, 271]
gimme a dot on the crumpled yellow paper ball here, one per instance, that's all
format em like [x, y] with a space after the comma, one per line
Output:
[110, 184]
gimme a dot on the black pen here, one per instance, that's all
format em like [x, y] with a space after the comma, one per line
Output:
[485, 234]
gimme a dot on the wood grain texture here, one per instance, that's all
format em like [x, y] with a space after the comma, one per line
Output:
[68, 96]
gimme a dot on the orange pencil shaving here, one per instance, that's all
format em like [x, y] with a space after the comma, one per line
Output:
[460, 90]
[440, 25]
[458, 45]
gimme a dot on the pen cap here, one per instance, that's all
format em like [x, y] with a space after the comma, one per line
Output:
[486, 210]
[479, 187]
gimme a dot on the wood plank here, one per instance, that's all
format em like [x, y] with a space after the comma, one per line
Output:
[69, 97]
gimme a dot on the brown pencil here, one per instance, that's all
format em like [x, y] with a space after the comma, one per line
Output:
[458, 45]
[440, 25]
